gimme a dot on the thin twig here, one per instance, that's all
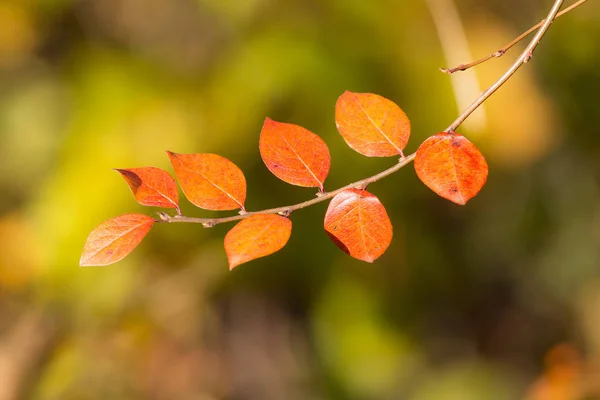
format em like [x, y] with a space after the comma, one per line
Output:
[286, 210]
[499, 53]
[523, 58]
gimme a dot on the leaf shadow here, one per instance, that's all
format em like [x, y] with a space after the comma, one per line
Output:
[338, 243]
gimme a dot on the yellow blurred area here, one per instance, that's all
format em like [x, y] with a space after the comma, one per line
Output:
[17, 267]
[18, 35]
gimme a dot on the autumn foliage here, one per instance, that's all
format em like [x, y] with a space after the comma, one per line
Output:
[451, 166]
[355, 220]
[358, 224]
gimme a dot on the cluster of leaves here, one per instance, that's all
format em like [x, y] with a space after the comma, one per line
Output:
[356, 220]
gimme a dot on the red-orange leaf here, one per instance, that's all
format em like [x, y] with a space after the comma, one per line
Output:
[294, 154]
[451, 166]
[372, 125]
[256, 236]
[114, 239]
[210, 181]
[152, 186]
[358, 224]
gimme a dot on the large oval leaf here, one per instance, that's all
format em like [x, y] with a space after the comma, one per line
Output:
[210, 181]
[152, 186]
[358, 224]
[294, 154]
[372, 125]
[451, 166]
[256, 236]
[114, 239]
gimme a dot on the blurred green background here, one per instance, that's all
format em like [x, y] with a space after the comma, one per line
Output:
[499, 299]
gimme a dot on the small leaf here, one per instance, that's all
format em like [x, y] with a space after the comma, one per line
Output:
[372, 125]
[358, 224]
[210, 181]
[114, 239]
[256, 236]
[451, 166]
[294, 154]
[152, 186]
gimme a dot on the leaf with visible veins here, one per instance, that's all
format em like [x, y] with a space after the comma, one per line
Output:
[114, 239]
[358, 224]
[256, 236]
[372, 125]
[152, 186]
[451, 166]
[210, 181]
[294, 154]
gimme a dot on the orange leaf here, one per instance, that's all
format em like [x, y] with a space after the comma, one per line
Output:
[358, 224]
[114, 239]
[451, 166]
[372, 125]
[210, 181]
[152, 186]
[256, 236]
[294, 154]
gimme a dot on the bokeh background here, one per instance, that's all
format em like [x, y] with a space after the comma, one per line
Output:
[499, 299]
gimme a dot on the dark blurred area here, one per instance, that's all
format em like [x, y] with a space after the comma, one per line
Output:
[499, 299]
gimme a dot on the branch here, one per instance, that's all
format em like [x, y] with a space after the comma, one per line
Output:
[286, 210]
[525, 57]
[499, 53]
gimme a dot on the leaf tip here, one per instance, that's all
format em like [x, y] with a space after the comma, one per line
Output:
[343, 98]
[233, 263]
[125, 173]
[269, 124]
[83, 262]
[172, 156]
